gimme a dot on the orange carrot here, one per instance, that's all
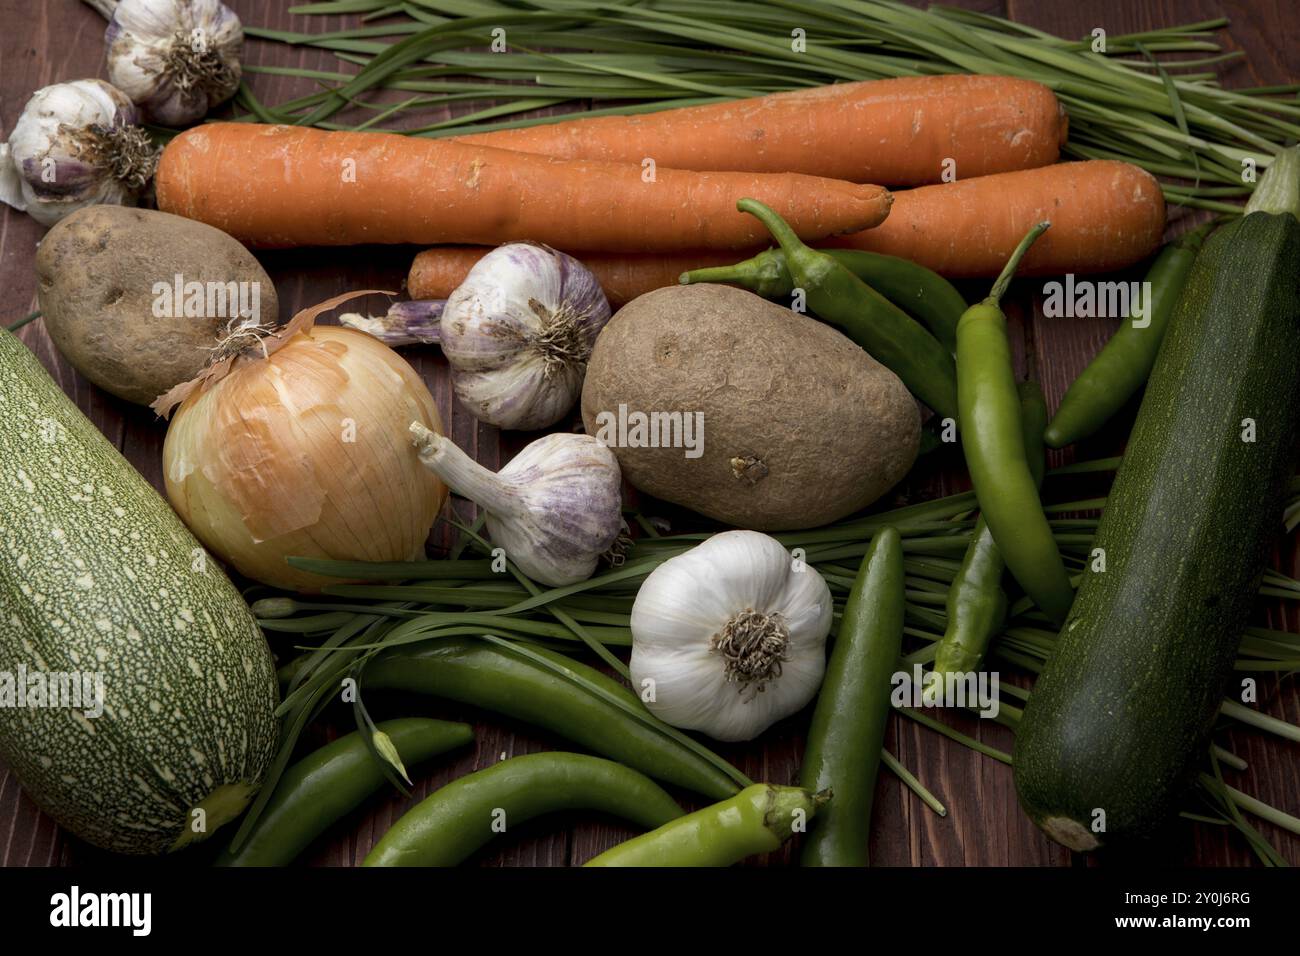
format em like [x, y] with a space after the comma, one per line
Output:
[296, 186]
[437, 272]
[898, 132]
[1105, 215]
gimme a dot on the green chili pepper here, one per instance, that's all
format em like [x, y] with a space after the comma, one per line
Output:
[889, 335]
[977, 604]
[454, 822]
[848, 724]
[994, 445]
[327, 785]
[1121, 368]
[756, 820]
[912, 287]
[484, 675]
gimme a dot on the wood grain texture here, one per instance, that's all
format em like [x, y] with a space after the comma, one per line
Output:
[62, 40]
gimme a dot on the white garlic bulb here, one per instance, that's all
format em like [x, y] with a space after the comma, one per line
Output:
[518, 332]
[76, 144]
[730, 637]
[175, 59]
[554, 509]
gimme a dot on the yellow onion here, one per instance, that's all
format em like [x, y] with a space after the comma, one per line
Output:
[305, 453]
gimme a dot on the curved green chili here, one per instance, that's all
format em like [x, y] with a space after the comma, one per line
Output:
[889, 335]
[481, 674]
[452, 823]
[848, 724]
[994, 447]
[327, 785]
[1121, 368]
[977, 603]
[756, 820]
[918, 291]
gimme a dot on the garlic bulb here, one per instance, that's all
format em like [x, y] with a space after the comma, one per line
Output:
[730, 637]
[175, 59]
[554, 509]
[300, 454]
[518, 332]
[76, 144]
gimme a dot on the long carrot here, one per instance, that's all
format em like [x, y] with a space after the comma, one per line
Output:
[1105, 215]
[437, 272]
[898, 132]
[296, 186]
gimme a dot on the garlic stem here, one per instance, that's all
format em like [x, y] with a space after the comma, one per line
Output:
[461, 473]
[413, 322]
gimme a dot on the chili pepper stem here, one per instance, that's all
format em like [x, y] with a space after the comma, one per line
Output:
[778, 227]
[765, 274]
[710, 274]
[1009, 270]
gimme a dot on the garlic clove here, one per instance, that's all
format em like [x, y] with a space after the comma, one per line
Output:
[11, 184]
[807, 602]
[693, 694]
[705, 586]
[687, 685]
[522, 394]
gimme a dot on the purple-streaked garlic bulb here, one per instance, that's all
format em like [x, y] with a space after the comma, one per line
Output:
[518, 332]
[175, 59]
[554, 509]
[76, 144]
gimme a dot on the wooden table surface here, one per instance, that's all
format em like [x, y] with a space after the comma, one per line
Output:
[59, 40]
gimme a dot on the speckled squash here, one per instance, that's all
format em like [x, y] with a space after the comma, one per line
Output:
[98, 575]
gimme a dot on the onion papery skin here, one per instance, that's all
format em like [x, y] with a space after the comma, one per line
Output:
[260, 468]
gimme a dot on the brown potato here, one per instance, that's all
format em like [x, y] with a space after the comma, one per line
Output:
[800, 426]
[100, 278]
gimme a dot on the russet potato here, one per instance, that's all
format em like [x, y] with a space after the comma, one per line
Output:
[799, 425]
[100, 274]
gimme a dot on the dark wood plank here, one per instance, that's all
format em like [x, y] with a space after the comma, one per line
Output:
[984, 827]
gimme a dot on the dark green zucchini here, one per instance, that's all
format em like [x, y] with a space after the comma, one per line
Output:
[1117, 721]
